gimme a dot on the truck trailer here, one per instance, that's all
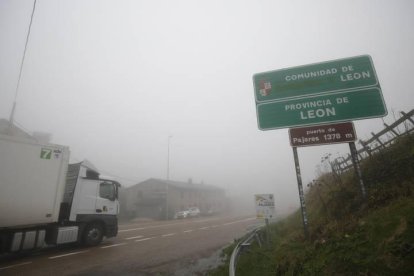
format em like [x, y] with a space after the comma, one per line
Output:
[45, 201]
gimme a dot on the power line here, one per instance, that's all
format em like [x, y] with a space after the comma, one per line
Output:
[22, 63]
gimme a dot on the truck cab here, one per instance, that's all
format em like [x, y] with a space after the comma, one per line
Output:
[90, 202]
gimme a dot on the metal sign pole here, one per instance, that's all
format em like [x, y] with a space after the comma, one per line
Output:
[301, 194]
[355, 161]
[267, 232]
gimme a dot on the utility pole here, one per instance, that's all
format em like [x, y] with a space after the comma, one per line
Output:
[168, 177]
[168, 157]
[11, 118]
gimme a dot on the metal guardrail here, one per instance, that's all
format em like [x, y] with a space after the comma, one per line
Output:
[239, 248]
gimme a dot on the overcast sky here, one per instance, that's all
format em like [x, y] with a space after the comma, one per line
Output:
[114, 79]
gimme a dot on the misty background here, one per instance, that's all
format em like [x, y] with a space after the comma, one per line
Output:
[113, 80]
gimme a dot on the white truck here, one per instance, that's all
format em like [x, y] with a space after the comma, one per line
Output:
[46, 201]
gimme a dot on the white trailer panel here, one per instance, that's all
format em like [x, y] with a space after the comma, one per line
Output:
[32, 179]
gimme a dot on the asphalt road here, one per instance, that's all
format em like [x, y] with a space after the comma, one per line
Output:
[179, 247]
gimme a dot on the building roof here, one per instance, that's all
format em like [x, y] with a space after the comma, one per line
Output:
[182, 185]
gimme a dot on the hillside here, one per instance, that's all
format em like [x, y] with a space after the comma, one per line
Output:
[348, 235]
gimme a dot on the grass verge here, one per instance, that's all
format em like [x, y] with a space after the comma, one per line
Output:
[348, 235]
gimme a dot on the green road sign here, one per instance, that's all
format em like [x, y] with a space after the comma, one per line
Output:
[320, 78]
[327, 92]
[313, 110]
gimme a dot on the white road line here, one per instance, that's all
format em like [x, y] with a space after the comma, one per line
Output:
[237, 221]
[11, 266]
[188, 231]
[203, 228]
[136, 237]
[148, 227]
[171, 224]
[163, 225]
[69, 254]
[214, 226]
[132, 229]
[114, 245]
[168, 235]
[143, 239]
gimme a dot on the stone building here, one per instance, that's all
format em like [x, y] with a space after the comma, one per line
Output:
[150, 198]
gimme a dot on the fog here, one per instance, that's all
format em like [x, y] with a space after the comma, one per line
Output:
[121, 82]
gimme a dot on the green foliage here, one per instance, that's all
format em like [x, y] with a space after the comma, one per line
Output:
[348, 235]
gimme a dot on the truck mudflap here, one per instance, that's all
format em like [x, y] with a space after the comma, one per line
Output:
[110, 223]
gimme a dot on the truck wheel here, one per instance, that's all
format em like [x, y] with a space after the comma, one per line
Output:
[93, 234]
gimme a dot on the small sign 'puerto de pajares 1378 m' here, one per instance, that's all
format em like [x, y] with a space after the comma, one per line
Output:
[333, 91]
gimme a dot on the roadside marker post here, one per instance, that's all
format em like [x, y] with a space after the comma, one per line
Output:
[265, 209]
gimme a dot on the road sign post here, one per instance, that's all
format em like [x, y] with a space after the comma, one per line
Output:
[329, 92]
[301, 194]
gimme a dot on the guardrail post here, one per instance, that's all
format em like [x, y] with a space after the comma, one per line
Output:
[267, 232]
[259, 241]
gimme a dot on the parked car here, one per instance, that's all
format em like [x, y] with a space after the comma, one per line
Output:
[181, 214]
[193, 212]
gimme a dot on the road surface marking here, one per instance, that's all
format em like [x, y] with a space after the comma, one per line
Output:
[136, 237]
[214, 226]
[163, 225]
[10, 266]
[132, 229]
[113, 245]
[143, 239]
[204, 228]
[188, 231]
[237, 221]
[148, 227]
[171, 224]
[168, 235]
[69, 254]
